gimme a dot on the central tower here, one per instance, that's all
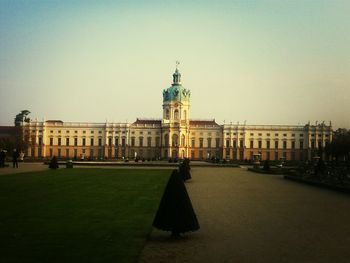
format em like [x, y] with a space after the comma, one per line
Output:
[175, 121]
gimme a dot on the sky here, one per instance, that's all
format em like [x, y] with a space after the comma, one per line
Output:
[263, 62]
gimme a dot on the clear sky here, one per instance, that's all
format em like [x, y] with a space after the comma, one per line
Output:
[266, 62]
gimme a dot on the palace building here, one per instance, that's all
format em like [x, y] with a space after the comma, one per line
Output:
[175, 135]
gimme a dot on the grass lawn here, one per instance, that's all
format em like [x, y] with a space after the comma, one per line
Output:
[78, 215]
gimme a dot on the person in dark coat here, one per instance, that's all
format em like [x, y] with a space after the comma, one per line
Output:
[53, 163]
[15, 158]
[184, 170]
[175, 212]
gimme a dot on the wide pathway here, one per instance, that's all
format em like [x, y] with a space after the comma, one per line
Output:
[23, 168]
[248, 217]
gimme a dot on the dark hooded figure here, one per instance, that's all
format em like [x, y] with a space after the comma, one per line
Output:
[175, 212]
[184, 169]
[53, 163]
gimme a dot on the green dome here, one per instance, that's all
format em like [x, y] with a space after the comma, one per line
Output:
[176, 93]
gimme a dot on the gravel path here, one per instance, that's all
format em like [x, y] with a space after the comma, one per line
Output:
[23, 168]
[248, 217]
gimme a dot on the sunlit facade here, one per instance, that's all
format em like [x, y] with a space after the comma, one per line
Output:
[175, 135]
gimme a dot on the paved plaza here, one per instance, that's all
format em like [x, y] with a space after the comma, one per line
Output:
[248, 217]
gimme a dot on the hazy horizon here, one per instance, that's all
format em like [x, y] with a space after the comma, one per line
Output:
[263, 62]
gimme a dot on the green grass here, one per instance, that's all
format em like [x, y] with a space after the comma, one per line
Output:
[78, 215]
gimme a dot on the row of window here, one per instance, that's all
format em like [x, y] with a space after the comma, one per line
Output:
[276, 144]
[83, 141]
[277, 134]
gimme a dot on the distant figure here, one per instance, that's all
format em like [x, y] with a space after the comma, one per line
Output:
[2, 158]
[175, 212]
[15, 158]
[53, 163]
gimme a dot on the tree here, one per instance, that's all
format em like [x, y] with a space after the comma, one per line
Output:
[339, 148]
[22, 117]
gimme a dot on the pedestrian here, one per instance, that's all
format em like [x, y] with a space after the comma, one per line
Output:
[2, 158]
[15, 158]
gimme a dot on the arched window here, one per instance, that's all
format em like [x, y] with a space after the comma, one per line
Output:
[167, 114]
[183, 140]
[166, 140]
[176, 114]
[175, 140]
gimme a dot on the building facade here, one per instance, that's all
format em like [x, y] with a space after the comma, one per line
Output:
[175, 135]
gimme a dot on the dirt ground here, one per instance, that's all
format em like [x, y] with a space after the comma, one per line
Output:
[248, 217]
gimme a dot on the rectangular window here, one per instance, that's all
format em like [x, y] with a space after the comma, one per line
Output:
[91, 153]
[209, 142]
[217, 142]
[84, 141]
[67, 141]
[110, 141]
[319, 144]
[285, 155]
[67, 152]
[268, 156]
[141, 141]
[260, 145]
[59, 152]
[40, 141]
[149, 141]
[75, 153]
[276, 156]
[116, 142]
[59, 142]
[227, 143]
[241, 144]
[99, 141]
[276, 144]
[234, 142]
[75, 141]
[292, 156]
[132, 141]
[301, 145]
[92, 141]
[192, 143]
[284, 145]
[200, 154]
[268, 144]
[51, 142]
[157, 141]
[312, 144]
[251, 144]
[201, 144]
[293, 144]
[123, 142]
